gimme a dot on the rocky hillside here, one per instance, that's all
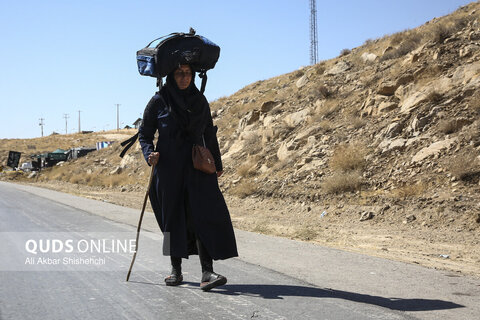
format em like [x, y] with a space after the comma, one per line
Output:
[388, 125]
[393, 120]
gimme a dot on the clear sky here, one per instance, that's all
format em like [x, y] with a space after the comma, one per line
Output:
[58, 57]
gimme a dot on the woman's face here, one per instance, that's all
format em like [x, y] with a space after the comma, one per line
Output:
[183, 76]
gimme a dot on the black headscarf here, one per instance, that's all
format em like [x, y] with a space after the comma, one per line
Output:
[189, 107]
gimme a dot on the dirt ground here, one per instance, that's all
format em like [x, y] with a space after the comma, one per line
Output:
[388, 235]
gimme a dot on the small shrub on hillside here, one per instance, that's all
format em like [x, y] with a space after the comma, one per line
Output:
[296, 74]
[252, 144]
[348, 157]
[409, 190]
[414, 36]
[440, 32]
[323, 92]
[345, 52]
[283, 164]
[434, 97]
[115, 180]
[405, 48]
[449, 126]
[446, 28]
[388, 56]
[465, 166]
[411, 41]
[244, 189]
[281, 131]
[76, 179]
[94, 180]
[342, 182]
[315, 118]
[357, 122]
[330, 107]
[357, 60]
[368, 42]
[461, 22]
[397, 38]
[248, 168]
[59, 173]
[472, 134]
[325, 125]
[244, 170]
[320, 68]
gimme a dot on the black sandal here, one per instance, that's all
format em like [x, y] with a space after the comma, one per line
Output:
[173, 279]
[211, 280]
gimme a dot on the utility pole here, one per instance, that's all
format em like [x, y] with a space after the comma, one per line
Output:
[66, 116]
[41, 124]
[79, 130]
[118, 126]
[313, 32]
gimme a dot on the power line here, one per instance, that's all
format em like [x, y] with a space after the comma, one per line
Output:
[313, 32]
[118, 105]
[66, 116]
[41, 124]
[79, 130]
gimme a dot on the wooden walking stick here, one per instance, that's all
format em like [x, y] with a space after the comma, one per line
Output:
[140, 222]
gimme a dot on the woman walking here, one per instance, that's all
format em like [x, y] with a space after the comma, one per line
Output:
[188, 204]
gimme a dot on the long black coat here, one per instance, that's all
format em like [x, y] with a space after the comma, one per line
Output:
[181, 195]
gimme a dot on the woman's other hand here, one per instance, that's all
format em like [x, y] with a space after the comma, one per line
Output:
[153, 158]
[219, 173]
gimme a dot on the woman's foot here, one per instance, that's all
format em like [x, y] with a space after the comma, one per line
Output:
[173, 280]
[211, 280]
[175, 277]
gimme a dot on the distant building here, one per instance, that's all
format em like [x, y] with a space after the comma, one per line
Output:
[137, 123]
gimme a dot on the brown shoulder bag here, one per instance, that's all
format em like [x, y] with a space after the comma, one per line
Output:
[202, 159]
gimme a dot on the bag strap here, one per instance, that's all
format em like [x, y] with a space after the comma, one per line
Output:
[164, 37]
[171, 35]
[129, 143]
[203, 76]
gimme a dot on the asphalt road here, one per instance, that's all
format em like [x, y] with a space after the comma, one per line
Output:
[274, 278]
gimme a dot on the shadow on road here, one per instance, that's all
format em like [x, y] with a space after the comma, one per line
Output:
[280, 291]
[268, 291]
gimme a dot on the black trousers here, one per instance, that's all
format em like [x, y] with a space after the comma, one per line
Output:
[205, 259]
